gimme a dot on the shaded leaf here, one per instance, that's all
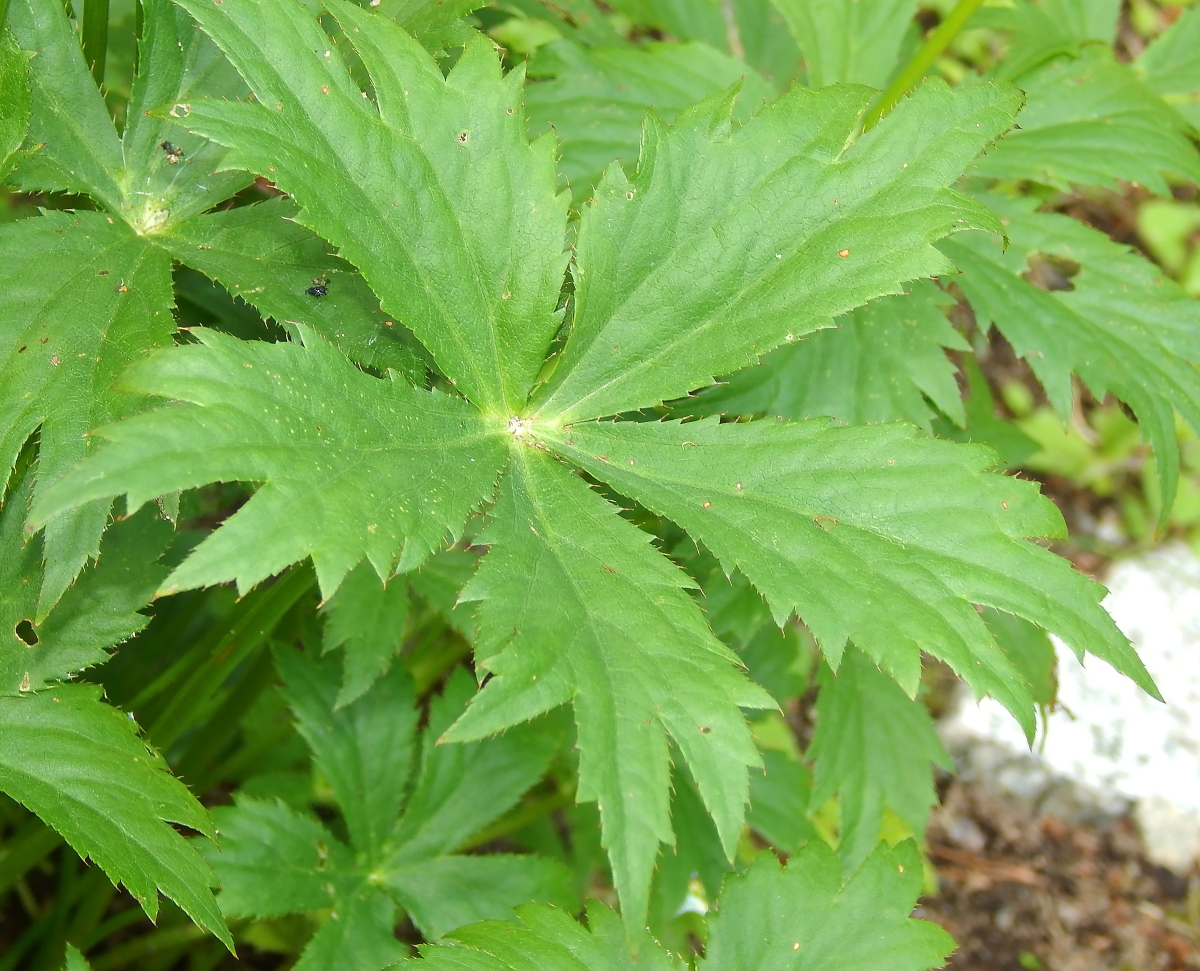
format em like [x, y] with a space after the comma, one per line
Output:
[873, 748]
[1171, 66]
[878, 363]
[259, 253]
[1091, 121]
[99, 611]
[597, 99]
[1119, 324]
[367, 619]
[847, 40]
[81, 766]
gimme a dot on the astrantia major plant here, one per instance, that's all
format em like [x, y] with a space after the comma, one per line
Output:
[610, 420]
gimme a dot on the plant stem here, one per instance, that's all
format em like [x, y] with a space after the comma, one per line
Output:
[95, 37]
[3, 12]
[915, 69]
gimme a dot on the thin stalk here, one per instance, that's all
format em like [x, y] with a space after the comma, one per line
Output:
[156, 942]
[3, 12]
[31, 844]
[521, 817]
[95, 37]
[922, 61]
[251, 630]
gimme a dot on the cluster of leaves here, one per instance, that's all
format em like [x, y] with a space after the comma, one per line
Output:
[609, 367]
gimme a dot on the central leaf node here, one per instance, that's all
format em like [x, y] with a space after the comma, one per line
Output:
[520, 427]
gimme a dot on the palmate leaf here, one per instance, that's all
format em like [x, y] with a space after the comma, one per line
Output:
[1091, 121]
[869, 533]
[873, 747]
[259, 253]
[877, 363]
[14, 98]
[1120, 325]
[80, 765]
[563, 566]
[1044, 29]
[1171, 66]
[403, 833]
[847, 40]
[454, 220]
[99, 611]
[597, 98]
[730, 242]
[771, 918]
[367, 619]
[433, 192]
[353, 466]
[81, 297]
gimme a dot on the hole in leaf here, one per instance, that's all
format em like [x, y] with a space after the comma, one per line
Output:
[25, 631]
[1051, 273]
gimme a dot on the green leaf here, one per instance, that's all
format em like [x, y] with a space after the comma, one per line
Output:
[869, 533]
[771, 918]
[1171, 66]
[803, 918]
[597, 98]
[1091, 121]
[14, 98]
[81, 766]
[1118, 323]
[847, 40]
[639, 664]
[446, 892]
[872, 748]
[360, 934]
[548, 940]
[81, 297]
[259, 253]
[274, 861]
[878, 363]
[97, 612]
[454, 220]
[171, 174]
[345, 459]
[1044, 29]
[73, 146]
[364, 749]
[732, 241]
[463, 788]
[75, 961]
[1030, 650]
[780, 801]
[367, 619]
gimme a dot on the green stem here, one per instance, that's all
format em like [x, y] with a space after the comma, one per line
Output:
[95, 37]
[31, 844]
[156, 942]
[520, 817]
[249, 631]
[914, 70]
[3, 12]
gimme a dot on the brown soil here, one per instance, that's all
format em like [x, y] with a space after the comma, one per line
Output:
[1019, 891]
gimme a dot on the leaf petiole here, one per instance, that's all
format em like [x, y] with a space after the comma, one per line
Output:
[914, 70]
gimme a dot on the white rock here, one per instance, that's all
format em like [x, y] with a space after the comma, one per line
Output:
[1109, 745]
